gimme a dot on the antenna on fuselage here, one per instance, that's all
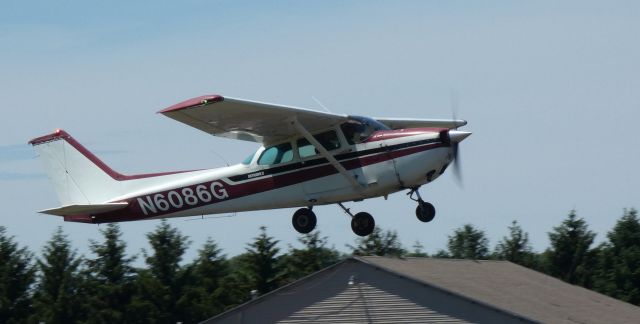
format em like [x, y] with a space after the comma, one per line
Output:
[321, 105]
[220, 156]
[203, 217]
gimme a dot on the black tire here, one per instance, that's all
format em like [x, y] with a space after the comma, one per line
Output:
[304, 220]
[425, 211]
[363, 224]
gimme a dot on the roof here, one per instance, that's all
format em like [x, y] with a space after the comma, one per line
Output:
[420, 290]
[368, 304]
[356, 291]
[513, 288]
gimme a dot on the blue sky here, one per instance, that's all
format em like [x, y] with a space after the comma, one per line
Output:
[550, 91]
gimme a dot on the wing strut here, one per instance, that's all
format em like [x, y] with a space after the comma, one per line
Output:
[304, 132]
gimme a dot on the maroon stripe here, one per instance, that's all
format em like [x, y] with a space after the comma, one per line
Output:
[193, 102]
[389, 134]
[61, 134]
[134, 212]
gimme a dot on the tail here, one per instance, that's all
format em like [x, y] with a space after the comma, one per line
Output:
[79, 177]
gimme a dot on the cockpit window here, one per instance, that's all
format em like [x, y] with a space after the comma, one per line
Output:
[277, 154]
[329, 141]
[248, 160]
[357, 129]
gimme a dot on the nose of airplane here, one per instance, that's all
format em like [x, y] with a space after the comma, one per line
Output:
[457, 136]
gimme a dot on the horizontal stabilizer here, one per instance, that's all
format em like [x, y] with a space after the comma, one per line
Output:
[84, 209]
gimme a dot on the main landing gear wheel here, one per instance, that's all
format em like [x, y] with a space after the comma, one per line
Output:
[425, 211]
[304, 220]
[362, 224]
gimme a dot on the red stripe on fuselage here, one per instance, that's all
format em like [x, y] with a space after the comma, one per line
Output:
[396, 133]
[134, 210]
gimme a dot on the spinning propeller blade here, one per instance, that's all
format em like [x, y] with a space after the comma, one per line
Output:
[456, 137]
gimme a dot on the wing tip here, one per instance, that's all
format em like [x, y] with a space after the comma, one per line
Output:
[193, 102]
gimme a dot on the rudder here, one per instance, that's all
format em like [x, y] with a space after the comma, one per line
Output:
[79, 177]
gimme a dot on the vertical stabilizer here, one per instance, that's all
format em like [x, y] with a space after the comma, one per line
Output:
[78, 176]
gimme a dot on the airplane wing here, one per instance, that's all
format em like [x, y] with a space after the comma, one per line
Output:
[399, 123]
[248, 120]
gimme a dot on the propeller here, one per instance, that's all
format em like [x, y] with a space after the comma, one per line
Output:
[455, 137]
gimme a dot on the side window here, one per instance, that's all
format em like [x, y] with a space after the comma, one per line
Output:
[353, 132]
[276, 154]
[305, 148]
[329, 141]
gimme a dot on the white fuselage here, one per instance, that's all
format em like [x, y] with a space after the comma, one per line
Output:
[381, 167]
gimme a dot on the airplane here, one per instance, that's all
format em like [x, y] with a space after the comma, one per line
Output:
[307, 158]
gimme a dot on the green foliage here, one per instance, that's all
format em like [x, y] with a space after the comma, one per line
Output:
[159, 286]
[208, 293]
[515, 248]
[618, 271]
[467, 242]
[313, 257]
[59, 295]
[569, 257]
[110, 290]
[17, 274]
[418, 251]
[260, 263]
[379, 243]
[110, 278]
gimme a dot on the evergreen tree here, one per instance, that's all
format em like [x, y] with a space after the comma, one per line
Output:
[160, 286]
[17, 274]
[468, 242]
[569, 257]
[59, 295]
[379, 243]
[313, 257]
[208, 293]
[261, 262]
[516, 247]
[618, 271]
[110, 276]
[418, 251]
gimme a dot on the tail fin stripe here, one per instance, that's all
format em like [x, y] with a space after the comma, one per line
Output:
[61, 134]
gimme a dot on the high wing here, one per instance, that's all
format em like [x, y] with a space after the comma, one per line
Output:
[248, 120]
[399, 123]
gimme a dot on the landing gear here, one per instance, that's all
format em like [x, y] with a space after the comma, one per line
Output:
[361, 223]
[304, 220]
[425, 211]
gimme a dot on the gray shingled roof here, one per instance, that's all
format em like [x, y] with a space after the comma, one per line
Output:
[362, 303]
[513, 288]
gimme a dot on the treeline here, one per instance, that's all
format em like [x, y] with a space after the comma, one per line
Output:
[60, 286]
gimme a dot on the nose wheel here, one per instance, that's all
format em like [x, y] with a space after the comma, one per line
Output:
[304, 220]
[425, 212]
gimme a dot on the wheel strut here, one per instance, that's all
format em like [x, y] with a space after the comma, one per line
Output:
[417, 193]
[345, 209]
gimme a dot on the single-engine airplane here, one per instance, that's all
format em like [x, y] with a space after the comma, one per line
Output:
[307, 158]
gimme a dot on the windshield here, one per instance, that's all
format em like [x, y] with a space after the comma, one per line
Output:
[357, 129]
[249, 158]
